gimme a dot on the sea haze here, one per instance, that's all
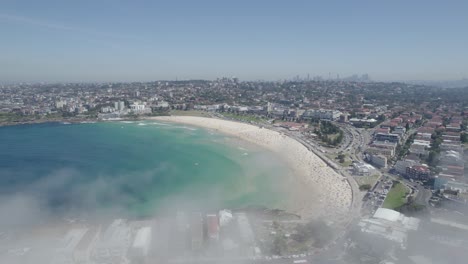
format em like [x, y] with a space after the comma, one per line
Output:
[133, 168]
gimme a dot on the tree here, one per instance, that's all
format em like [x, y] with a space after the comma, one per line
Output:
[279, 246]
[317, 230]
[464, 137]
[432, 158]
[365, 187]
[341, 158]
[381, 118]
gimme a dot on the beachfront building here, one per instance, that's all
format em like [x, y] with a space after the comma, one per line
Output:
[212, 224]
[246, 233]
[225, 217]
[137, 107]
[389, 225]
[363, 169]
[113, 244]
[83, 250]
[141, 244]
[196, 231]
[107, 109]
[119, 106]
[68, 244]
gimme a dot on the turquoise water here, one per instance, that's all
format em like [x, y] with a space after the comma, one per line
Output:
[139, 167]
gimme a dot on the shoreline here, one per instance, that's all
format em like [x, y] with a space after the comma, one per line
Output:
[63, 120]
[318, 190]
[45, 121]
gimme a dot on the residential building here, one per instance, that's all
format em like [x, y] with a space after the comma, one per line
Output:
[321, 114]
[378, 160]
[394, 138]
[399, 130]
[401, 166]
[418, 172]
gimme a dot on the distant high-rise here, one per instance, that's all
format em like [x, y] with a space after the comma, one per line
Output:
[269, 107]
[119, 106]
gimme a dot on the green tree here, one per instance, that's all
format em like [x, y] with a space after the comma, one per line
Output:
[279, 246]
[464, 137]
[365, 187]
[432, 158]
[316, 230]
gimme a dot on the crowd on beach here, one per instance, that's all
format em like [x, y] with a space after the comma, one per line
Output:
[316, 189]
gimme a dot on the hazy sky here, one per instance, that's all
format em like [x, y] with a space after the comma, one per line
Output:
[150, 40]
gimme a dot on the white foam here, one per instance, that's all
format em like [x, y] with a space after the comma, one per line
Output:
[160, 124]
[320, 181]
[184, 127]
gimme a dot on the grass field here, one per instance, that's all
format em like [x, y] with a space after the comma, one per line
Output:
[189, 113]
[396, 196]
[244, 118]
[334, 157]
[361, 180]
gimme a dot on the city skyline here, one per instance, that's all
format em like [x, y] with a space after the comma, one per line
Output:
[107, 41]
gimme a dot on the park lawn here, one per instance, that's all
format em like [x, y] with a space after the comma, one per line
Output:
[245, 118]
[334, 157]
[361, 180]
[333, 136]
[189, 113]
[396, 196]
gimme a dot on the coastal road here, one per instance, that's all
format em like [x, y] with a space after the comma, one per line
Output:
[356, 202]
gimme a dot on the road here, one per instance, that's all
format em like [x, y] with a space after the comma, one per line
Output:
[356, 140]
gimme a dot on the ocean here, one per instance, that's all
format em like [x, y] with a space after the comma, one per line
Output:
[138, 168]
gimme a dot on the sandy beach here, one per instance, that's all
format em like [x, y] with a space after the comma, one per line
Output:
[318, 190]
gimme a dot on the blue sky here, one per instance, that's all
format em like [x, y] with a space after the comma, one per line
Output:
[152, 40]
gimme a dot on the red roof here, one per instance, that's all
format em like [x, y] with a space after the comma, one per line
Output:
[420, 168]
[213, 225]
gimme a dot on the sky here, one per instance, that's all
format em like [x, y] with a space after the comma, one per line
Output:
[145, 40]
